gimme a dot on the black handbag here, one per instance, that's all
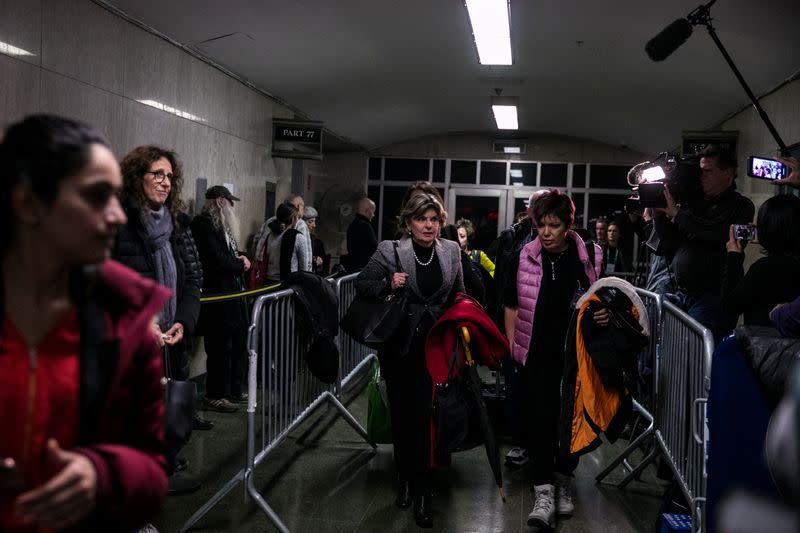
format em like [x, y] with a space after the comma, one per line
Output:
[372, 320]
[454, 413]
[179, 404]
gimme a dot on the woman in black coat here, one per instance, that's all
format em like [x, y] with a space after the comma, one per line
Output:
[773, 279]
[430, 274]
[157, 243]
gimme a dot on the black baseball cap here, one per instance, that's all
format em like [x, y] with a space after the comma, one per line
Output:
[220, 191]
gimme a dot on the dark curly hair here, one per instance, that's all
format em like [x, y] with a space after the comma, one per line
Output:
[136, 164]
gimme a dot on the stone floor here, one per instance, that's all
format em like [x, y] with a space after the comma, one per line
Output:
[323, 477]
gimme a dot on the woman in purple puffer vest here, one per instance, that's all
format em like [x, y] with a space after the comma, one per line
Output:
[553, 270]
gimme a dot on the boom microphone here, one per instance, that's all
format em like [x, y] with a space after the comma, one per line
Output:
[670, 39]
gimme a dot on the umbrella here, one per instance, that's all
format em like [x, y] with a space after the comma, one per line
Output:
[489, 440]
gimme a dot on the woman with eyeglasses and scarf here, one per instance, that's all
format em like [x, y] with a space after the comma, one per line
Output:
[157, 243]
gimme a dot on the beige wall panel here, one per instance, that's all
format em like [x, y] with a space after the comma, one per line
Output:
[256, 123]
[105, 111]
[147, 125]
[21, 27]
[81, 40]
[19, 90]
[152, 69]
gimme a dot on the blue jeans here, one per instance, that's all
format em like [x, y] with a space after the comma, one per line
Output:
[706, 308]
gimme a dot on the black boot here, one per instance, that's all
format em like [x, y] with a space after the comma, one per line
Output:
[423, 514]
[403, 500]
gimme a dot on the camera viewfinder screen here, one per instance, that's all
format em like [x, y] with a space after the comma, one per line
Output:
[767, 169]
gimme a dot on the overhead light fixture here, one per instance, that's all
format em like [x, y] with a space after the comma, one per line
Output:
[491, 29]
[512, 150]
[505, 112]
[10, 50]
[172, 110]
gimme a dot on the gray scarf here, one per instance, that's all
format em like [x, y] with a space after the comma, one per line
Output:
[158, 225]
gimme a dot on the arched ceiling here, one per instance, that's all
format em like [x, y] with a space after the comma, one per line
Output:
[377, 72]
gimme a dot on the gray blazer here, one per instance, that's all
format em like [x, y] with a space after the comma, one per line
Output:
[375, 279]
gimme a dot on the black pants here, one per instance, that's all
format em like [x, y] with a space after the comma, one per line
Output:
[542, 376]
[226, 363]
[408, 385]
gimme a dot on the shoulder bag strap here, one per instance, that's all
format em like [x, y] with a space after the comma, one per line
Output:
[397, 258]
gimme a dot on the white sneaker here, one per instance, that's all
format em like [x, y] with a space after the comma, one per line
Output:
[544, 512]
[564, 504]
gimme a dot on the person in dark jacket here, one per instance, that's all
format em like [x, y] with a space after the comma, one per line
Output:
[507, 247]
[223, 324]
[320, 262]
[616, 258]
[693, 237]
[773, 279]
[361, 238]
[92, 460]
[430, 274]
[157, 243]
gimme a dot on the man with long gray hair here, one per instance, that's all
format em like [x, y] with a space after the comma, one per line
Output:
[223, 324]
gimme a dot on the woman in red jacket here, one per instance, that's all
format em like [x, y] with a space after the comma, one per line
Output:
[81, 373]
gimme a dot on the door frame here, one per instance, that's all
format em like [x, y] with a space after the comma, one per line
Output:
[491, 192]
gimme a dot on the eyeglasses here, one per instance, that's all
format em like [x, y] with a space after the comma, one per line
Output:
[159, 176]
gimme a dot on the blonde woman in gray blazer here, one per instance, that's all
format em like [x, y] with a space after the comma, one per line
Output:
[430, 274]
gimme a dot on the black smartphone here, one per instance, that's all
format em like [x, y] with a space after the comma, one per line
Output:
[764, 168]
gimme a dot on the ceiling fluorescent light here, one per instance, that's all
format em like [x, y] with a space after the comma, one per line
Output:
[9, 50]
[506, 117]
[512, 149]
[490, 27]
[172, 110]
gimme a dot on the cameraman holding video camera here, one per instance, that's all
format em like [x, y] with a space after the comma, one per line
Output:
[693, 239]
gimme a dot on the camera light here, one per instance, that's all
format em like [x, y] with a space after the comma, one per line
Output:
[653, 174]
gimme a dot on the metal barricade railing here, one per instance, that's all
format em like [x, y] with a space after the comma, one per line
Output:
[644, 404]
[289, 393]
[683, 376]
[353, 356]
[680, 351]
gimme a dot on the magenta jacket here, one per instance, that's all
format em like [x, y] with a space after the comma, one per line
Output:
[529, 280]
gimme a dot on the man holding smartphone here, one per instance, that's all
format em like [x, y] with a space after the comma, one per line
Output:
[693, 238]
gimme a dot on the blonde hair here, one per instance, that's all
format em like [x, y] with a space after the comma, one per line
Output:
[467, 224]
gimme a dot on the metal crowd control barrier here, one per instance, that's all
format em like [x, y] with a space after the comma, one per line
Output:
[643, 406]
[684, 378]
[681, 351]
[353, 356]
[289, 394]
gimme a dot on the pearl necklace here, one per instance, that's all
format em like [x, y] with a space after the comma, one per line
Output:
[430, 259]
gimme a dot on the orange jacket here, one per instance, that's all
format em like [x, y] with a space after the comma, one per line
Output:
[590, 406]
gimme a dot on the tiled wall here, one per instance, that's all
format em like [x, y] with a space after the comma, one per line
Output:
[89, 64]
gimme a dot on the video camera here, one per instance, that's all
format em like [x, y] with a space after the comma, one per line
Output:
[648, 180]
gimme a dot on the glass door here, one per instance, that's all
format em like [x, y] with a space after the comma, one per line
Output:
[486, 208]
